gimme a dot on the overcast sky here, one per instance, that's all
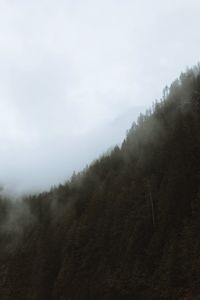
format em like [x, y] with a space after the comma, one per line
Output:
[74, 75]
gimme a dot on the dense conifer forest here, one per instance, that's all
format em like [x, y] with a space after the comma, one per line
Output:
[127, 227]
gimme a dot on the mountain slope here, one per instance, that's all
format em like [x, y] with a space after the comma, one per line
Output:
[127, 227]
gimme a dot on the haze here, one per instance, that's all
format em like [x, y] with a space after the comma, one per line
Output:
[74, 75]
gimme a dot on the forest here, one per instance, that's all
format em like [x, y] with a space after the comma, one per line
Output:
[126, 227]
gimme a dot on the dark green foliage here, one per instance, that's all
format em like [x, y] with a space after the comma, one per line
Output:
[127, 227]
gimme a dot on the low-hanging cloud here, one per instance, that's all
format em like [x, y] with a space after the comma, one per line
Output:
[75, 74]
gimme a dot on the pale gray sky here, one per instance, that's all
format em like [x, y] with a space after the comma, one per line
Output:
[75, 74]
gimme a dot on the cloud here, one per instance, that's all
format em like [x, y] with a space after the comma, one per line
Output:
[70, 69]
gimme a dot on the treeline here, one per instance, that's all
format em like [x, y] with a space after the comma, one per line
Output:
[127, 227]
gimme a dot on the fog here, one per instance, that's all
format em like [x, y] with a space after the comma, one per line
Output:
[75, 74]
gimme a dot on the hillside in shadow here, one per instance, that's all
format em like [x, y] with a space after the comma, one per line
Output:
[126, 227]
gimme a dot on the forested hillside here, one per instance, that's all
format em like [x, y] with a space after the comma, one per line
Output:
[127, 227]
